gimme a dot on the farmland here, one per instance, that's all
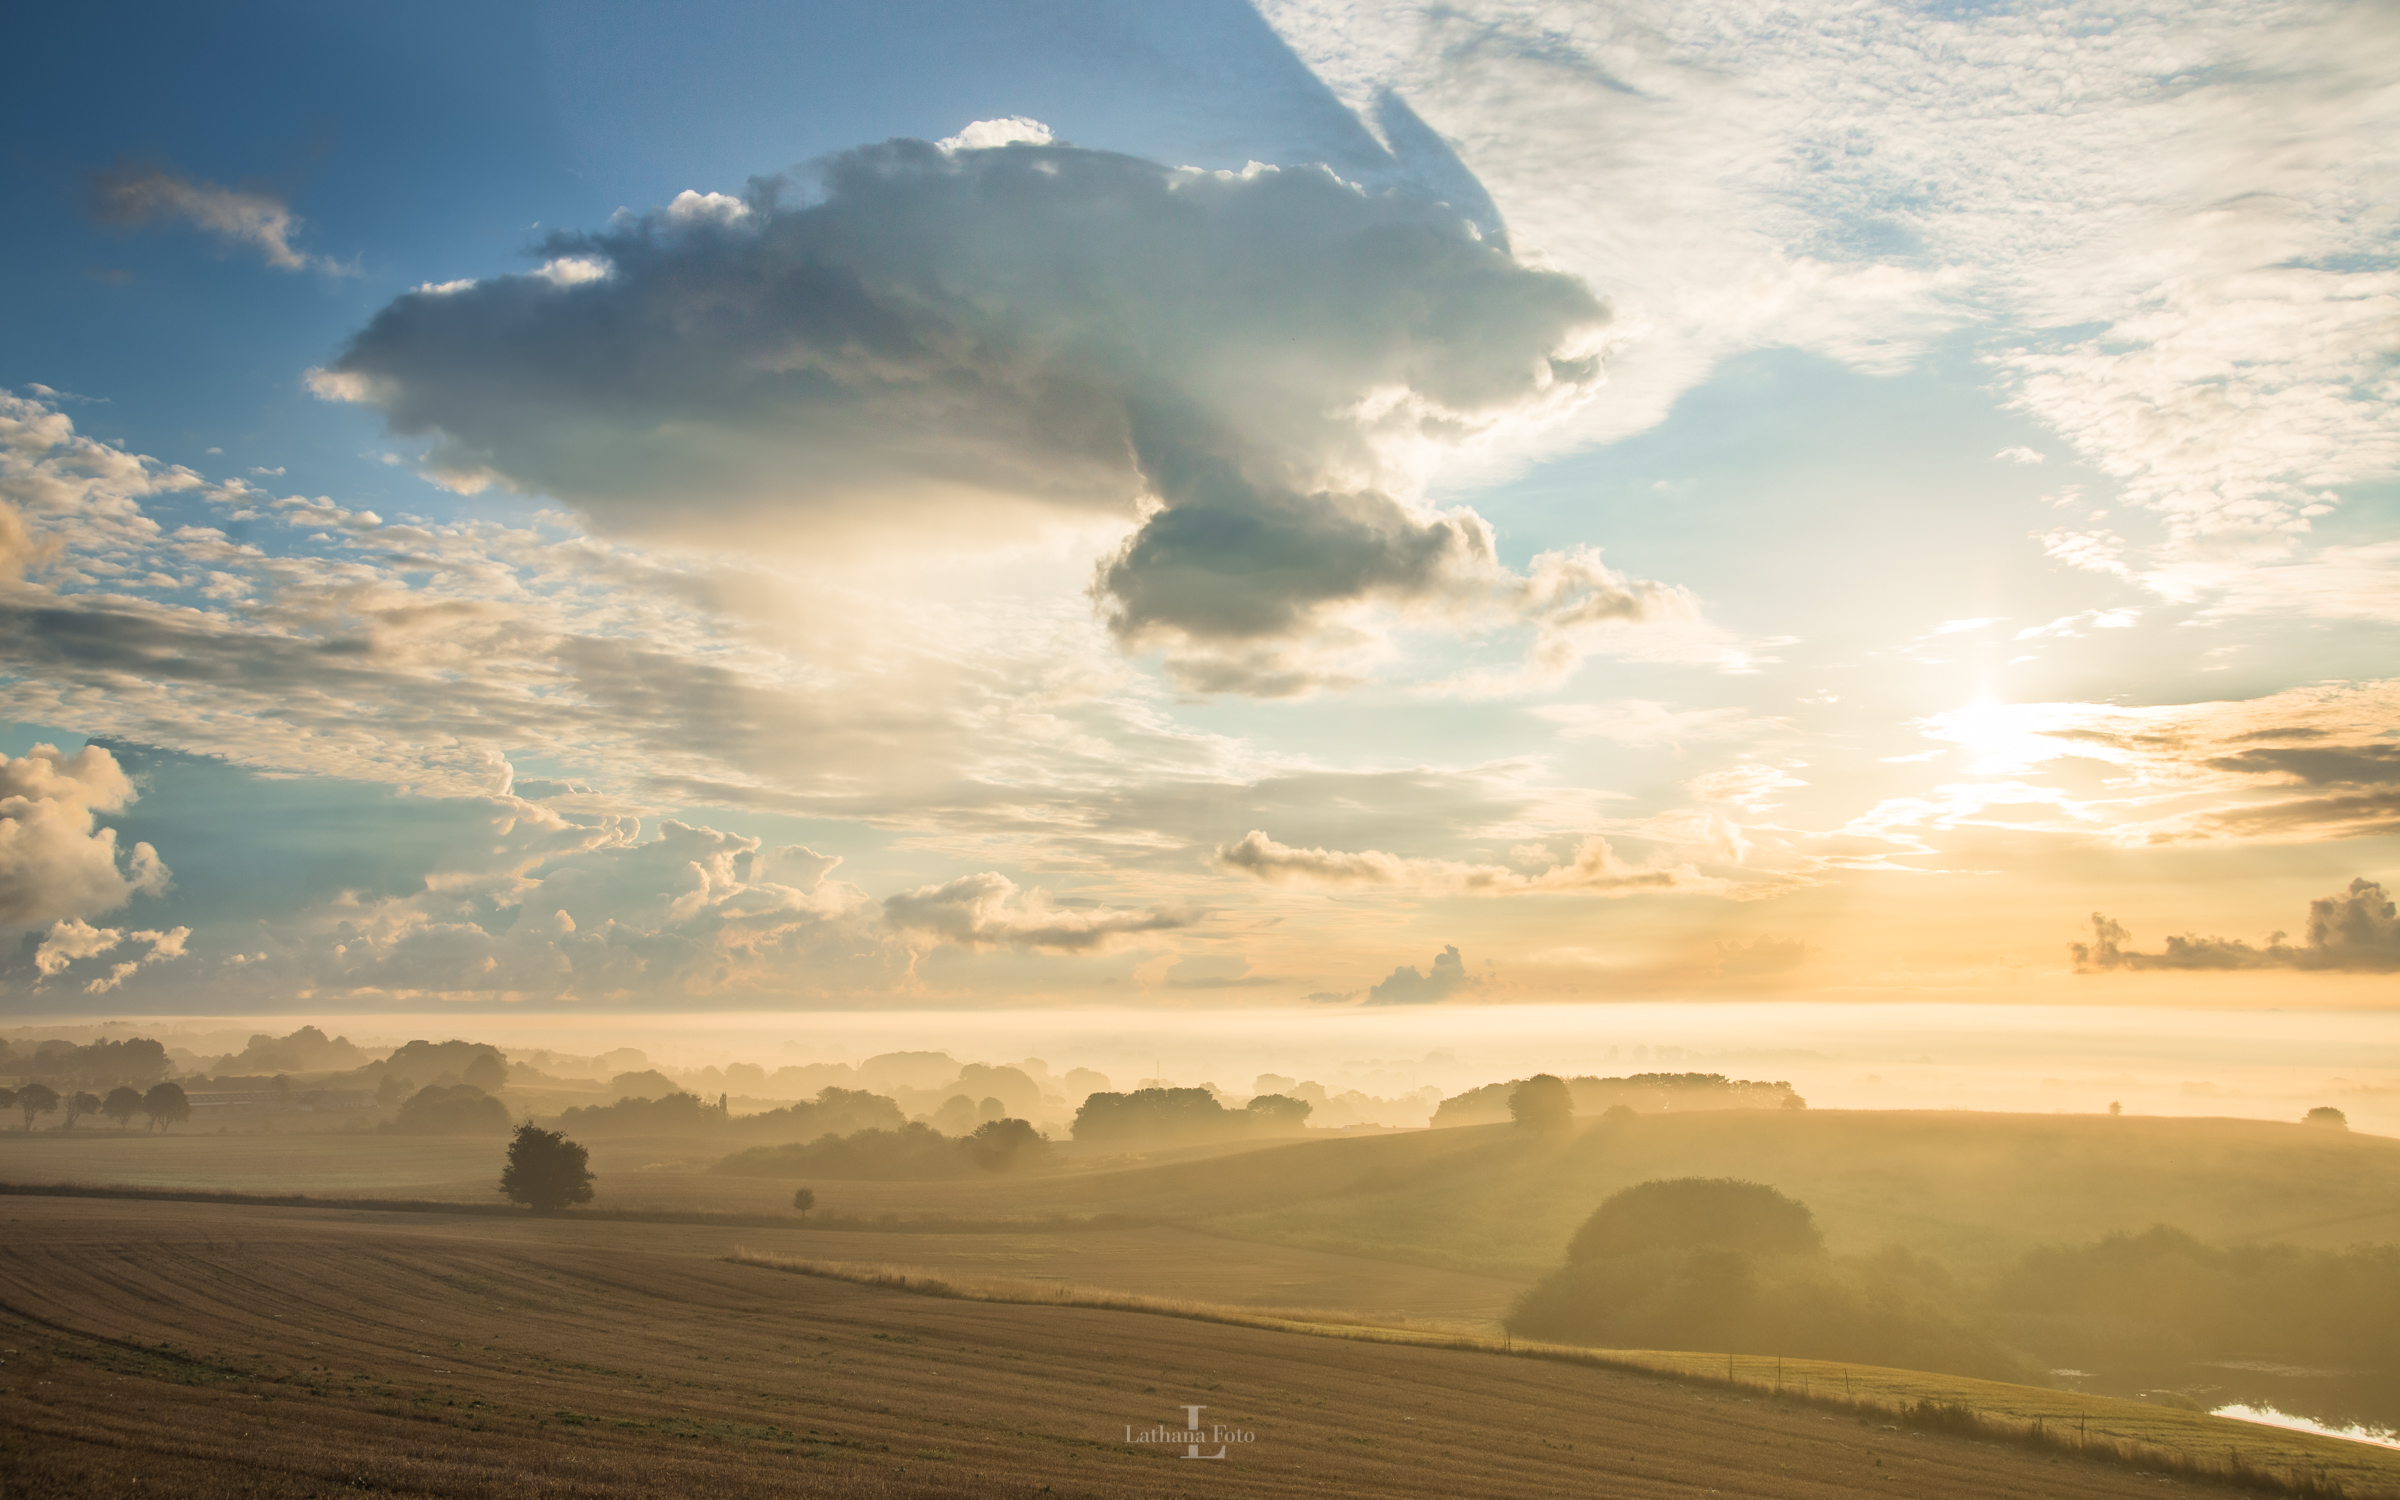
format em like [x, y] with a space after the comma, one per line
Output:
[1974, 1190]
[219, 1350]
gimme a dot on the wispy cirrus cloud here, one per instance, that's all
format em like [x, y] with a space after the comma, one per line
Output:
[987, 909]
[135, 195]
[2302, 765]
[2168, 220]
[1592, 868]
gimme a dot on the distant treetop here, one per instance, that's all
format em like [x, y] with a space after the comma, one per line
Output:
[1696, 1213]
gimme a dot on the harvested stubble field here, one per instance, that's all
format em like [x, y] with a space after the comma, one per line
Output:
[210, 1350]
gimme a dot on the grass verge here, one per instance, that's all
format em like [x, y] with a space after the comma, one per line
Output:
[2132, 1434]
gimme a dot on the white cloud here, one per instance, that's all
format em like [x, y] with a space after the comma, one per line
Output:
[722, 208]
[2303, 765]
[56, 863]
[988, 910]
[70, 941]
[988, 135]
[2020, 455]
[2171, 219]
[1253, 371]
[565, 271]
[1593, 868]
[586, 908]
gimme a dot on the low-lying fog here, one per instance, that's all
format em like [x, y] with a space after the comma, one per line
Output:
[2255, 1064]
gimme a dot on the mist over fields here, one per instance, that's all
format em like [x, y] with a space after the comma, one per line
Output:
[2061, 1203]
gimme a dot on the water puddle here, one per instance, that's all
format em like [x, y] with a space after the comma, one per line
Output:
[2268, 1416]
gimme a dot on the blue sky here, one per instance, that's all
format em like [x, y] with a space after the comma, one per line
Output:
[540, 504]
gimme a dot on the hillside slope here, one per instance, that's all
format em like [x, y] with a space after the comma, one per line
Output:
[1973, 1189]
[207, 1350]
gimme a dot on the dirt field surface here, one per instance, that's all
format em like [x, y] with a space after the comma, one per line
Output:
[210, 1350]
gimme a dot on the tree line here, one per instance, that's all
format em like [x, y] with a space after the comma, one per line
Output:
[162, 1105]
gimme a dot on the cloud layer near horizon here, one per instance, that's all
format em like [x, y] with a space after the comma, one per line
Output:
[2355, 932]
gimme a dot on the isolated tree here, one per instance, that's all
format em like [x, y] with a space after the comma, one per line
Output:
[36, 1099]
[804, 1199]
[2115, 1107]
[80, 1103]
[122, 1104]
[2326, 1114]
[166, 1105]
[545, 1170]
[1541, 1103]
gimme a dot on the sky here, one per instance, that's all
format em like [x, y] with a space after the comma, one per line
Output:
[1336, 507]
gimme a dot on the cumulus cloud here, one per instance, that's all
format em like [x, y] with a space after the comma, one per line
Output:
[1592, 868]
[983, 135]
[2356, 931]
[134, 195]
[71, 940]
[56, 863]
[1408, 985]
[1250, 368]
[988, 910]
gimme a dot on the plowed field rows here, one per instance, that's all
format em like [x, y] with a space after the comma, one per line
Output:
[210, 1350]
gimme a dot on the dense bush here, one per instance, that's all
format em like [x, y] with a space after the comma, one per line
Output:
[1649, 1093]
[460, 1109]
[1716, 1264]
[136, 1060]
[439, 1060]
[912, 1153]
[834, 1112]
[2164, 1295]
[1179, 1117]
[1697, 1213]
[1006, 1146]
